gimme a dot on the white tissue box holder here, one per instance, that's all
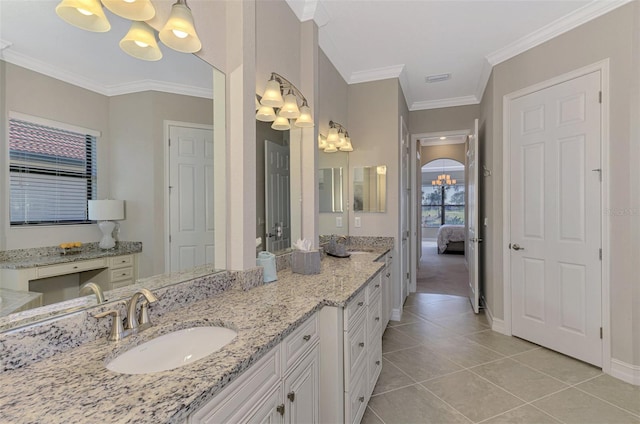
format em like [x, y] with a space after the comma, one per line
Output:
[305, 262]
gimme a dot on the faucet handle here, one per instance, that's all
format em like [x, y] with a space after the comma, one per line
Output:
[117, 331]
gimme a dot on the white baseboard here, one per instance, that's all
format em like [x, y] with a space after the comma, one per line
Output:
[626, 372]
[396, 314]
[496, 324]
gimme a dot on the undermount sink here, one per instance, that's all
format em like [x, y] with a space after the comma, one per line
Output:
[357, 252]
[172, 350]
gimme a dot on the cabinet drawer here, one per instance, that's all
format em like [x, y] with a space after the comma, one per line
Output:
[120, 274]
[355, 345]
[356, 307]
[120, 261]
[356, 399]
[374, 288]
[119, 284]
[298, 342]
[374, 318]
[70, 268]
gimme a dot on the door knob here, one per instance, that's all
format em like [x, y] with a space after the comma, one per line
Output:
[516, 246]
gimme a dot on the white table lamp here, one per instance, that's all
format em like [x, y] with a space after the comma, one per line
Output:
[106, 211]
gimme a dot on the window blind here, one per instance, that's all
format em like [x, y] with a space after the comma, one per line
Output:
[52, 174]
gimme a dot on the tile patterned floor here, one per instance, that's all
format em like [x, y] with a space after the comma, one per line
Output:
[442, 364]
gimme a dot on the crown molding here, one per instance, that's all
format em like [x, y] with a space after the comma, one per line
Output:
[554, 29]
[404, 85]
[4, 44]
[485, 74]
[440, 103]
[376, 74]
[78, 80]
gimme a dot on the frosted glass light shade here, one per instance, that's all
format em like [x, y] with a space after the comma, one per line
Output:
[322, 142]
[305, 120]
[106, 210]
[140, 42]
[134, 10]
[290, 108]
[272, 95]
[281, 124]
[266, 114]
[347, 147]
[85, 14]
[342, 140]
[331, 149]
[179, 32]
[332, 136]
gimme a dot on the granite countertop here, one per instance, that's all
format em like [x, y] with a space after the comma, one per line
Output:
[75, 386]
[37, 257]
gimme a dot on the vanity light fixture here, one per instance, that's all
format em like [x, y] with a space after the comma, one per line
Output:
[338, 137]
[134, 10]
[332, 137]
[85, 14]
[288, 106]
[179, 32]
[347, 147]
[330, 149]
[322, 142]
[140, 42]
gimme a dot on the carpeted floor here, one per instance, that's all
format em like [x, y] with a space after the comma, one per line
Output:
[441, 274]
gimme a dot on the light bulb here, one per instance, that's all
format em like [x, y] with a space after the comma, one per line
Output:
[141, 44]
[179, 34]
[84, 12]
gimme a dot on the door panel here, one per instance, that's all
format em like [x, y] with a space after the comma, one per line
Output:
[277, 197]
[471, 246]
[555, 217]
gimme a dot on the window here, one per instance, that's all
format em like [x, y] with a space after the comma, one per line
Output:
[52, 171]
[442, 205]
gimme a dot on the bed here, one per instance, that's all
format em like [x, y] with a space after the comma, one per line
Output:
[451, 238]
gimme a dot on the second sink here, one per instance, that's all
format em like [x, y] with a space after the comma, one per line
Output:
[172, 350]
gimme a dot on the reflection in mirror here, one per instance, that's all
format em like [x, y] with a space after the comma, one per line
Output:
[334, 221]
[330, 189]
[84, 79]
[370, 189]
[273, 189]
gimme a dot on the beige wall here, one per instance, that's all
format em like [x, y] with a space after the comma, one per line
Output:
[444, 119]
[610, 36]
[445, 151]
[332, 101]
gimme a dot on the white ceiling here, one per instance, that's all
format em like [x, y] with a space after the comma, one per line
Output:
[34, 37]
[369, 40]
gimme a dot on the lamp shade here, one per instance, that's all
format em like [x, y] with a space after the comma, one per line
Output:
[290, 108]
[322, 142]
[347, 147]
[106, 210]
[305, 120]
[332, 137]
[281, 124]
[266, 114]
[140, 42]
[272, 95]
[134, 10]
[85, 14]
[179, 32]
[331, 148]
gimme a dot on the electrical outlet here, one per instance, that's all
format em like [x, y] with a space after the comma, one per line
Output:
[338, 222]
[358, 222]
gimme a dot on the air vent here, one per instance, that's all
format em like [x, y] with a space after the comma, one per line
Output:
[437, 78]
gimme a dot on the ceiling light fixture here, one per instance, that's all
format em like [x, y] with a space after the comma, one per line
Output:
[85, 14]
[179, 32]
[288, 106]
[443, 179]
[140, 42]
[437, 78]
[134, 10]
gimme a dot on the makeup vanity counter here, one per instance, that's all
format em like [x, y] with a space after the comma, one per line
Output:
[75, 386]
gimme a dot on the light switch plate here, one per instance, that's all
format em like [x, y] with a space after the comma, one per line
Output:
[358, 222]
[338, 222]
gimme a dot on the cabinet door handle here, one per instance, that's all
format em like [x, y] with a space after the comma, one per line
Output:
[306, 337]
[377, 362]
[377, 285]
[291, 396]
[280, 409]
[75, 267]
[388, 274]
[361, 344]
[377, 318]
[361, 399]
[360, 303]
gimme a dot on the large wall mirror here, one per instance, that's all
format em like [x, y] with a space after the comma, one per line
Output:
[333, 189]
[52, 70]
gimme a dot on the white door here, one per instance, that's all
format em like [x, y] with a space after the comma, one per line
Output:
[555, 217]
[405, 201]
[277, 196]
[191, 236]
[472, 218]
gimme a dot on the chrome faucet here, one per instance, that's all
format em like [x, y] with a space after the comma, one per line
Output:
[88, 288]
[134, 323]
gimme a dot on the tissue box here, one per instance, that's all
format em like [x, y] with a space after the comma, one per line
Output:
[305, 262]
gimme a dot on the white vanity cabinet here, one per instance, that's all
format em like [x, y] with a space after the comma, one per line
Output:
[282, 387]
[387, 290]
[351, 354]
